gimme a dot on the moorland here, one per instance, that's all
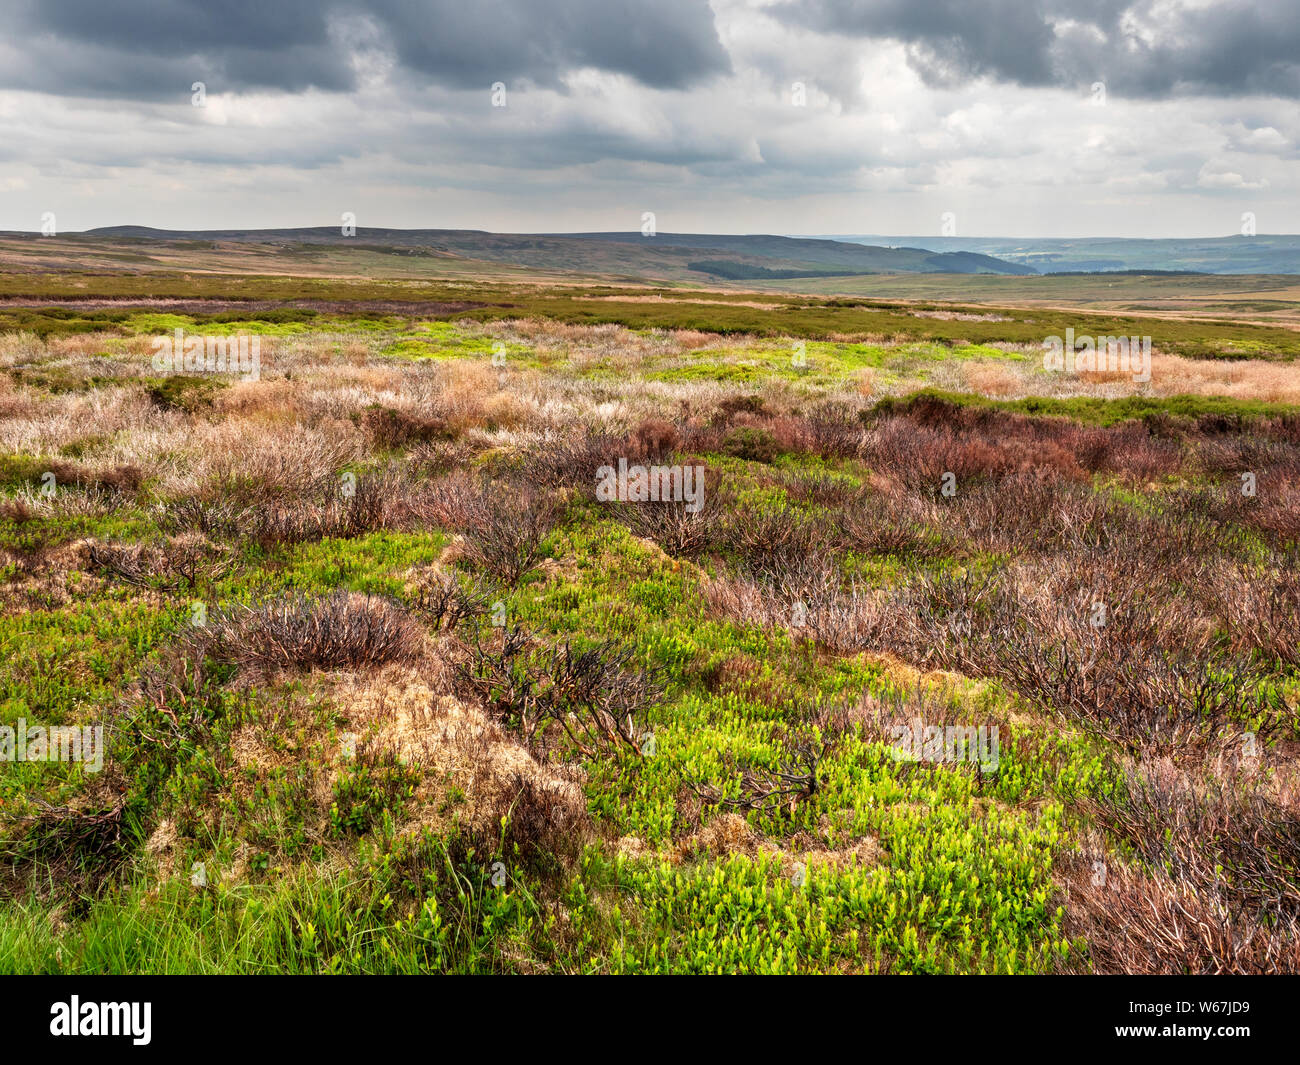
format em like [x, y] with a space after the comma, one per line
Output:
[387, 686]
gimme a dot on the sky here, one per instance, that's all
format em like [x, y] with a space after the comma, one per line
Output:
[1029, 118]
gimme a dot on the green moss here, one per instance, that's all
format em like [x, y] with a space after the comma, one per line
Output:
[740, 373]
[1097, 411]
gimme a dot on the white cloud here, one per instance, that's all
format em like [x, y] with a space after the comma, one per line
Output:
[1212, 177]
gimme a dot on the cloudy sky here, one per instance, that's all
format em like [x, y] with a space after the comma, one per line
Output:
[1020, 117]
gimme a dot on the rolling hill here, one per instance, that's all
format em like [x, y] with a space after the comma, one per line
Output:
[665, 256]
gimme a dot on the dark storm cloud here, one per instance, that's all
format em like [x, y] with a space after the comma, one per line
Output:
[145, 48]
[950, 39]
[664, 44]
[1144, 48]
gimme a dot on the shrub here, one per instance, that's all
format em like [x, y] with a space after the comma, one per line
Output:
[729, 407]
[769, 536]
[343, 630]
[182, 563]
[1031, 510]
[181, 393]
[1213, 834]
[833, 432]
[127, 479]
[751, 444]
[442, 601]
[398, 429]
[1262, 612]
[571, 461]
[504, 521]
[675, 529]
[1142, 679]
[1152, 924]
[326, 509]
[872, 524]
[653, 440]
[592, 697]
[121, 480]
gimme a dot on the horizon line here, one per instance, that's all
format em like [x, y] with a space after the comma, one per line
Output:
[96, 231]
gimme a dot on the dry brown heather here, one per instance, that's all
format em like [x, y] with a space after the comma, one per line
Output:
[1171, 375]
[825, 519]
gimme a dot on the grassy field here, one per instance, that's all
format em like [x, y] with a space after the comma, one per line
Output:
[102, 301]
[249, 268]
[959, 665]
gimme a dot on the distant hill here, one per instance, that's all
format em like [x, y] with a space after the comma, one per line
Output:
[1264, 254]
[669, 256]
